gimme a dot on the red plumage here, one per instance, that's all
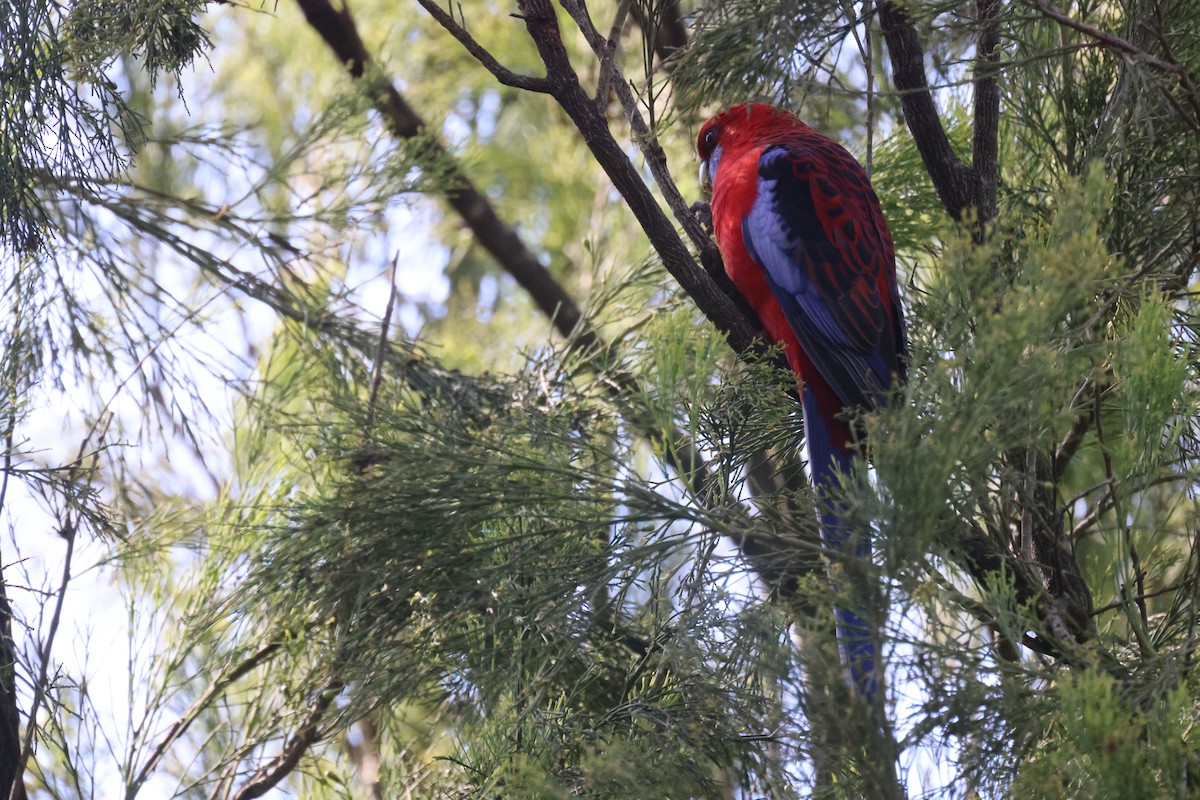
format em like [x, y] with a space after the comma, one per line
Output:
[805, 242]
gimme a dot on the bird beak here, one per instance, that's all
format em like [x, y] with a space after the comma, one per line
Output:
[705, 179]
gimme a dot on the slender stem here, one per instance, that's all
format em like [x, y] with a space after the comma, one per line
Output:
[69, 531]
[501, 73]
[377, 371]
[180, 726]
[1138, 621]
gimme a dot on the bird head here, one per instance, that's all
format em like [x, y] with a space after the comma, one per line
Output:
[740, 125]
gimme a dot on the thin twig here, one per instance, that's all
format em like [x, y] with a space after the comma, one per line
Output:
[180, 726]
[869, 66]
[1139, 621]
[863, 43]
[1074, 438]
[481, 54]
[377, 372]
[1105, 502]
[644, 136]
[69, 531]
[1110, 40]
[1141, 598]
[608, 57]
[743, 333]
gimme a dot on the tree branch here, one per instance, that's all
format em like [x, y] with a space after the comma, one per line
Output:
[953, 180]
[340, 33]
[743, 334]
[69, 529]
[647, 141]
[11, 765]
[985, 149]
[288, 759]
[501, 73]
[608, 53]
[1109, 40]
[180, 726]
[1115, 43]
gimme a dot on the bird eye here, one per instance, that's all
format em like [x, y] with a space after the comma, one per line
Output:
[710, 140]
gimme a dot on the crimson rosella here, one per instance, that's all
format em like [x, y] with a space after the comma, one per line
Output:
[806, 244]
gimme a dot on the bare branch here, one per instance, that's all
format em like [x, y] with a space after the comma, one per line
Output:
[711, 295]
[644, 135]
[1074, 438]
[288, 759]
[180, 726]
[985, 151]
[377, 373]
[340, 33]
[69, 530]
[501, 73]
[608, 53]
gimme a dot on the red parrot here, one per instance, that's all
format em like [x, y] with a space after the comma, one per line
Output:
[806, 244]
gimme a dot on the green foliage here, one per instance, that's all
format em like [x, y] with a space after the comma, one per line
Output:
[163, 35]
[481, 565]
[746, 51]
[1002, 338]
[491, 551]
[1152, 374]
[1104, 747]
[62, 116]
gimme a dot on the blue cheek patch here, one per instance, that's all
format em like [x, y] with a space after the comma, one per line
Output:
[714, 161]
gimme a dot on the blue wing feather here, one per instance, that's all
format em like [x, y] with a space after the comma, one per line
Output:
[811, 231]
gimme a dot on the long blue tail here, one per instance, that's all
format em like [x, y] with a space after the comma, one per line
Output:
[831, 460]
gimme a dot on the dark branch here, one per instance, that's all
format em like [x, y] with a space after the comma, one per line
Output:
[985, 158]
[340, 32]
[11, 783]
[607, 51]
[743, 334]
[1070, 444]
[953, 180]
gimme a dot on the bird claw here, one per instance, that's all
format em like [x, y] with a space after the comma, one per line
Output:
[703, 213]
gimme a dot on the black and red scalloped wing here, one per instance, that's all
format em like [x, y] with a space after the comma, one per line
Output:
[818, 232]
